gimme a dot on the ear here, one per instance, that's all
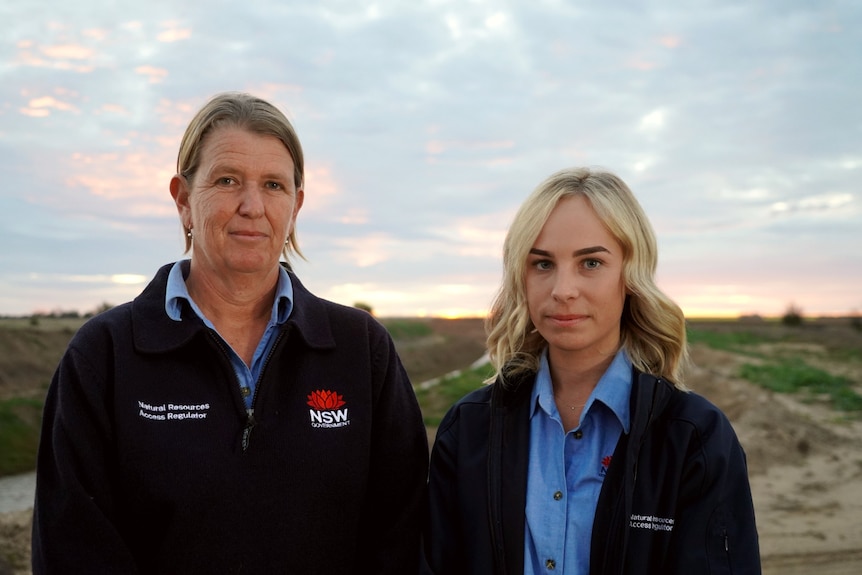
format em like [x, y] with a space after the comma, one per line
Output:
[180, 193]
[300, 197]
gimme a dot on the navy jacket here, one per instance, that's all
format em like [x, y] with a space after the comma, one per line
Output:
[676, 498]
[150, 464]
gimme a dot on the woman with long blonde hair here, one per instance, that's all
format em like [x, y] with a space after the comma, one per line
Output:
[586, 453]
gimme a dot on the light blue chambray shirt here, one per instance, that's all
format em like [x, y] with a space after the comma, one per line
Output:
[566, 470]
[282, 305]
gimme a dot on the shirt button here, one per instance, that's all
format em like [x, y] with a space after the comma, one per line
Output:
[550, 564]
[579, 434]
[558, 495]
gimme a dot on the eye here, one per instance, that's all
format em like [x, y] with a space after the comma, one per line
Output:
[225, 181]
[592, 264]
[543, 265]
[274, 186]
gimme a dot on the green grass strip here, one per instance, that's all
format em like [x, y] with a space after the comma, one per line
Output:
[436, 400]
[793, 375]
[735, 341]
[20, 421]
[406, 329]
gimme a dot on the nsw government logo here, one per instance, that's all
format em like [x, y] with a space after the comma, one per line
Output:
[325, 409]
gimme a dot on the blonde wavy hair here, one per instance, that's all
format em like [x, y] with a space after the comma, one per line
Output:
[652, 327]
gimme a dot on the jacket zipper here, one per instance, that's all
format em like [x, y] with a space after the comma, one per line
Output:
[250, 421]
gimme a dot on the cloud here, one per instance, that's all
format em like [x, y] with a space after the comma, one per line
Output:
[155, 75]
[41, 107]
[174, 33]
[653, 121]
[670, 41]
[321, 188]
[122, 279]
[426, 124]
[823, 203]
[65, 57]
[67, 52]
[366, 251]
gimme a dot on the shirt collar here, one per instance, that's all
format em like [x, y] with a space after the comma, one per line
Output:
[613, 389]
[176, 293]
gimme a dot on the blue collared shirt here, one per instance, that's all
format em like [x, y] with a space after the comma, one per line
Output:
[282, 305]
[566, 470]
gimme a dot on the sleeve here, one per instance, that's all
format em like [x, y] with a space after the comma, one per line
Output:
[73, 518]
[390, 536]
[715, 530]
[442, 542]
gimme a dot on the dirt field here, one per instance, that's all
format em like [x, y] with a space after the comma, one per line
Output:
[805, 464]
[805, 459]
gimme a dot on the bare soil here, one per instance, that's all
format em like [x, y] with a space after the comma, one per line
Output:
[805, 459]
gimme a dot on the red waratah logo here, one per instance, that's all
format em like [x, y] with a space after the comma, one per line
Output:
[324, 399]
[606, 462]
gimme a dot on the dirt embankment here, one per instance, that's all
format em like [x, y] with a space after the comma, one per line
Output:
[28, 357]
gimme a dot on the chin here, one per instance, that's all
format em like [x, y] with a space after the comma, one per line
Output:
[251, 268]
[566, 343]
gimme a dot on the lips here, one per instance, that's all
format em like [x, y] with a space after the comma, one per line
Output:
[567, 317]
[248, 234]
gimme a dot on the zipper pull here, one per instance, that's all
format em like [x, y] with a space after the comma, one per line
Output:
[246, 432]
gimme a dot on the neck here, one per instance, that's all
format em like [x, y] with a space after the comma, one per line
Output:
[230, 299]
[575, 376]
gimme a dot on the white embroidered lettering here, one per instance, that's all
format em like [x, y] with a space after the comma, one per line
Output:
[651, 522]
[148, 415]
[172, 411]
[328, 419]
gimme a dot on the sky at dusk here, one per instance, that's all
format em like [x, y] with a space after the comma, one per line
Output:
[738, 124]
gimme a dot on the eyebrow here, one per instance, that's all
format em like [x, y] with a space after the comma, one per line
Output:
[232, 168]
[576, 253]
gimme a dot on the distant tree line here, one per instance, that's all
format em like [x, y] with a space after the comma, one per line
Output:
[59, 313]
[72, 313]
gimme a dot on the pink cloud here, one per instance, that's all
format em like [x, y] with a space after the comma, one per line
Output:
[35, 113]
[96, 34]
[320, 187]
[114, 186]
[58, 57]
[272, 92]
[41, 107]
[174, 35]
[670, 41]
[176, 114]
[50, 102]
[155, 75]
[67, 52]
[354, 216]
[114, 109]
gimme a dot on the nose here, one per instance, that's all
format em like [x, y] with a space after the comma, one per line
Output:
[252, 200]
[566, 285]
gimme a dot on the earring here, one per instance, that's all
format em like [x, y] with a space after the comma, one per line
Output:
[190, 235]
